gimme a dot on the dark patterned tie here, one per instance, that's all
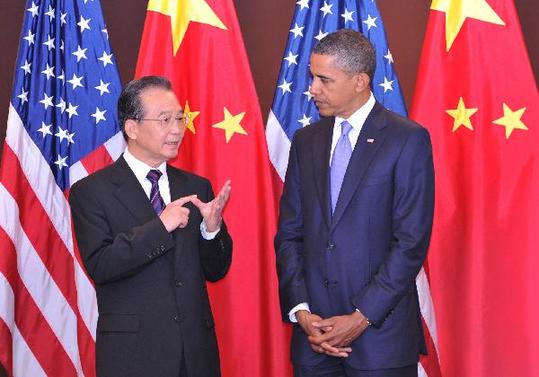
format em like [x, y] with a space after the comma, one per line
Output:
[155, 197]
[339, 163]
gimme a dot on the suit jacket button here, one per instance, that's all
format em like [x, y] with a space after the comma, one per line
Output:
[178, 318]
[179, 283]
[331, 245]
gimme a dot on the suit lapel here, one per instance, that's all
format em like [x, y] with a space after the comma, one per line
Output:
[370, 139]
[177, 182]
[130, 193]
[320, 151]
[179, 188]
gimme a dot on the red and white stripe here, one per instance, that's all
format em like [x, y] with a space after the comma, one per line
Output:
[48, 309]
[278, 145]
[429, 366]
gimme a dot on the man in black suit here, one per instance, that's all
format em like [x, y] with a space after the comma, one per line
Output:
[355, 222]
[150, 235]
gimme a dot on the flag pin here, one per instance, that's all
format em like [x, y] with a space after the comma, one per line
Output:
[370, 140]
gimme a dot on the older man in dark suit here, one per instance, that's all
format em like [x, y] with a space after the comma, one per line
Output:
[355, 222]
[150, 235]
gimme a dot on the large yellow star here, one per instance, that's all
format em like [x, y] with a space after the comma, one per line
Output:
[456, 12]
[191, 115]
[231, 125]
[511, 120]
[461, 116]
[182, 12]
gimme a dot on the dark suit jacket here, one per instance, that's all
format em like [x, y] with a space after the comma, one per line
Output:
[368, 253]
[150, 285]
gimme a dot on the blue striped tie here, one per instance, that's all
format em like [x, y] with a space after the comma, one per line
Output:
[339, 162]
[156, 199]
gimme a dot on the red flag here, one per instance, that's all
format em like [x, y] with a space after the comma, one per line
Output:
[197, 44]
[477, 95]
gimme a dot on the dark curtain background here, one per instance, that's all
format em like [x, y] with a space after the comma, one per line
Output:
[265, 26]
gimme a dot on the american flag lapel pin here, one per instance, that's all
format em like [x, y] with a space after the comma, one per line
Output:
[370, 141]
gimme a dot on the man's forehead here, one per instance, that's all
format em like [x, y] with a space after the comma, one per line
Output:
[320, 61]
[156, 91]
[160, 99]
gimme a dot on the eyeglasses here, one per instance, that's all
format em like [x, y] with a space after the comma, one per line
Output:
[167, 122]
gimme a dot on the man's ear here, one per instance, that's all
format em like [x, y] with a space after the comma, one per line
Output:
[131, 128]
[362, 82]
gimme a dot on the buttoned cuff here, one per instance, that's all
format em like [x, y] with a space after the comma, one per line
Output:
[205, 234]
[295, 309]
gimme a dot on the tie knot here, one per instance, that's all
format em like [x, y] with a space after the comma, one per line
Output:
[345, 127]
[153, 175]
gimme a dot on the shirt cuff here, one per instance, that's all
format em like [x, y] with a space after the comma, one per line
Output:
[298, 307]
[366, 319]
[205, 234]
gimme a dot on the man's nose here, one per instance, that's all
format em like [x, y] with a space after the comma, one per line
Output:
[315, 87]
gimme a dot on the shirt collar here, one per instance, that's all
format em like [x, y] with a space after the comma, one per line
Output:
[140, 168]
[357, 119]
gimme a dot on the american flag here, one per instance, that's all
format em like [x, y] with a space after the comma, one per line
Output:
[62, 125]
[293, 107]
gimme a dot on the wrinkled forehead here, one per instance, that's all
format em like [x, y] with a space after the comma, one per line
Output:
[157, 101]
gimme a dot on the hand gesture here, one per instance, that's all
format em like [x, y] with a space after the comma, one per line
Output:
[344, 330]
[175, 215]
[212, 212]
[306, 321]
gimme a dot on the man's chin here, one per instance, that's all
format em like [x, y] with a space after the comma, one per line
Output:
[171, 154]
[325, 112]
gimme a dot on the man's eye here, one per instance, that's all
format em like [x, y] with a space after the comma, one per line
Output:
[165, 120]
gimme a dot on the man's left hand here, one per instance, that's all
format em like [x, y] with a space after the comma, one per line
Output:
[344, 330]
[212, 212]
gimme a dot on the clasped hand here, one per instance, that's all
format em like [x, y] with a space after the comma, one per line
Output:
[175, 215]
[333, 335]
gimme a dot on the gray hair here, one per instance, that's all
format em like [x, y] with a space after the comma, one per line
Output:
[130, 103]
[352, 51]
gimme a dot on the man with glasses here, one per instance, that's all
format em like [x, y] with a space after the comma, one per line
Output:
[150, 235]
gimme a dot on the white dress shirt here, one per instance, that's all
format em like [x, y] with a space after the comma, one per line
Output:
[141, 170]
[356, 120]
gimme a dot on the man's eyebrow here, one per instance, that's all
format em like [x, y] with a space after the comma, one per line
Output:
[164, 112]
[323, 77]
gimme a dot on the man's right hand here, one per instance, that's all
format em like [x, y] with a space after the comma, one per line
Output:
[306, 320]
[175, 215]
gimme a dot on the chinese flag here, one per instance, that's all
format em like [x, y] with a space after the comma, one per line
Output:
[477, 95]
[197, 44]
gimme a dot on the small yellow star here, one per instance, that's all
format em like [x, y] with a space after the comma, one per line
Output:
[511, 120]
[456, 12]
[181, 13]
[461, 116]
[191, 115]
[231, 125]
